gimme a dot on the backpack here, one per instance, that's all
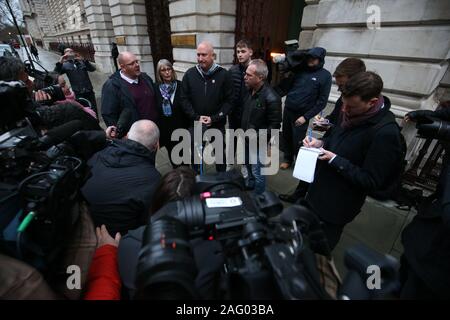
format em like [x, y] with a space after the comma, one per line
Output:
[392, 187]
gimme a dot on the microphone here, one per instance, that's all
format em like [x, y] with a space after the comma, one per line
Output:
[123, 123]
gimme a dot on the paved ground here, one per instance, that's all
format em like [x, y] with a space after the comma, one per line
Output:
[378, 226]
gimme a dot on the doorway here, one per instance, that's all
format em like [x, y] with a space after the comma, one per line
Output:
[158, 22]
[267, 24]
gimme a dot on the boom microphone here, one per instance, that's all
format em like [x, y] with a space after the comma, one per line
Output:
[61, 133]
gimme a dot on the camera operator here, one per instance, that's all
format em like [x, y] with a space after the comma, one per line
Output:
[306, 92]
[41, 106]
[104, 281]
[124, 165]
[77, 70]
[176, 185]
[426, 261]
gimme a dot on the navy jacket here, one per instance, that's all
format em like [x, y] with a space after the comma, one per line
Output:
[365, 160]
[120, 190]
[116, 96]
[307, 91]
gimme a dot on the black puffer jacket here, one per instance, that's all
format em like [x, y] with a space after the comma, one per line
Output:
[262, 110]
[207, 95]
[121, 187]
[56, 115]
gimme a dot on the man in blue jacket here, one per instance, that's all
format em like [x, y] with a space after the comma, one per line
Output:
[306, 94]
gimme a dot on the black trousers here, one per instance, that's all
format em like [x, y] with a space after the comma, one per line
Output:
[292, 136]
[115, 64]
[90, 96]
[333, 233]
[413, 287]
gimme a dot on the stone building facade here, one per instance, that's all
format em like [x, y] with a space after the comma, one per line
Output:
[409, 46]
[56, 21]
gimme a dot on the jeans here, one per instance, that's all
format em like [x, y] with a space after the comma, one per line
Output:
[255, 178]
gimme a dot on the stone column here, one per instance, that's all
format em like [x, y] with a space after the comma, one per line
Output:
[409, 47]
[129, 21]
[409, 50]
[210, 20]
[100, 23]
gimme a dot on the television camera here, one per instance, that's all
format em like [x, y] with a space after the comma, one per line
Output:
[269, 252]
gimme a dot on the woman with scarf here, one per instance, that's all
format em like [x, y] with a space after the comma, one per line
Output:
[168, 101]
[359, 155]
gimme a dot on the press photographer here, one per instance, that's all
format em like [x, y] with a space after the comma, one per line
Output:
[41, 214]
[426, 260]
[39, 107]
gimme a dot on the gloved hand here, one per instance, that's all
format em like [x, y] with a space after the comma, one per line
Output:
[418, 115]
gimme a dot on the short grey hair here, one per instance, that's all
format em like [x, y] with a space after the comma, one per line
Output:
[145, 132]
[261, 69]
[164, 63]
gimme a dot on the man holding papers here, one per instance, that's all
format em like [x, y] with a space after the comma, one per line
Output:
[358, 155]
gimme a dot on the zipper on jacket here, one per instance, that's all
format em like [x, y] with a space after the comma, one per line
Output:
[206, 84]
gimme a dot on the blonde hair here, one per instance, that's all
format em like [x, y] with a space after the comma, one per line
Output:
[164, 63]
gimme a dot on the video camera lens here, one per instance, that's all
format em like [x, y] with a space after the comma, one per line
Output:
[166, 268]
[55, 92]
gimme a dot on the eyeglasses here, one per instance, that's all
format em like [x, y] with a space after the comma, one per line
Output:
[132, 63]
[166, 70]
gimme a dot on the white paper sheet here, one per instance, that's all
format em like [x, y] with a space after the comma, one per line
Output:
[305, 165]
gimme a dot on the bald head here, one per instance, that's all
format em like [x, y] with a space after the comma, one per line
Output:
[205, 55]
[145, 132]
[206, 46]
[129, 64]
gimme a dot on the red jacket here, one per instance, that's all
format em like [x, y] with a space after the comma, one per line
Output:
[103, 282]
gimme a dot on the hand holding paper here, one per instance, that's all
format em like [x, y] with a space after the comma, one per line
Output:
[305, 165]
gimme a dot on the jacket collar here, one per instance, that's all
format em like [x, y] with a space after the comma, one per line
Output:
[127, 79]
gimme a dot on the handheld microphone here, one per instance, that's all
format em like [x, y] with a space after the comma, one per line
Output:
[123, 123]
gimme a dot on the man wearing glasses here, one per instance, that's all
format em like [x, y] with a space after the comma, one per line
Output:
[128, 95]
